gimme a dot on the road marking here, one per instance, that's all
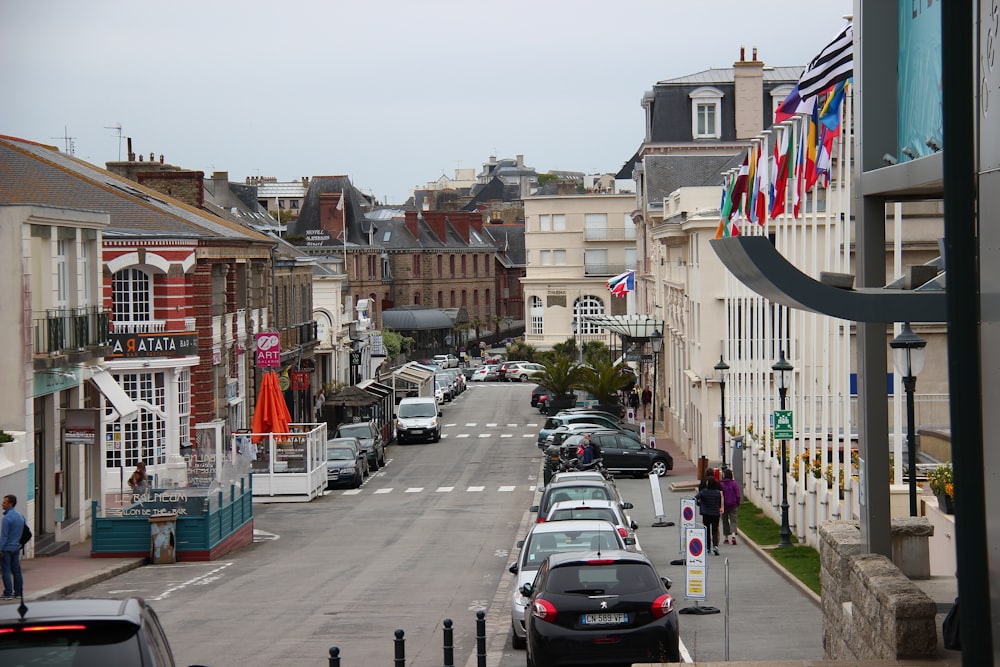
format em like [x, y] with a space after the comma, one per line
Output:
[491, 426]
[446, 425]
[529, 435]
[462, 435]
[531, 425]
[444, 435]
[263, 536]
[506, 435]
[209, 576]
[485, 435]
[475, 489]
[389, 490]
[414, 489]
[445, 489]
[473, 424]
[506, 489]
[511, 425]
[352, 492]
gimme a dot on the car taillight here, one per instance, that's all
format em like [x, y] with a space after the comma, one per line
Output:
[622, 532]
[544, 610]
[662, 606]
[600, 561]
[541, 519]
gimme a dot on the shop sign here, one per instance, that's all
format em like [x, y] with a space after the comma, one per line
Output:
[299, 380]
[164, 344]
[268, 350]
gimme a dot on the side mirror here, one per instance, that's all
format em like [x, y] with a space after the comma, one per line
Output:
[667, 582]
[533, 508]
[634, 526]
[440, 413]
[513, 568]
[627, 506]
[520, 543]
[526, 590]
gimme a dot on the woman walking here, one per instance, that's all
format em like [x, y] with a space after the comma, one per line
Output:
[710, 502]
[731, 499]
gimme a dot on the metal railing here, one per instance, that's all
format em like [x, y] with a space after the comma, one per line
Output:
[605, 269]
[298, 334]
[609, 234]
[63, 330]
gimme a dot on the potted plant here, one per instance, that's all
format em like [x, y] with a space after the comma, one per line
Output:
[560, 376]
[942, 485]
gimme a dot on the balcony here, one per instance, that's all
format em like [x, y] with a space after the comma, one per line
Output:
[607, 269]
[298, 335]
[139, 326]
[609, 234]
[65, 330]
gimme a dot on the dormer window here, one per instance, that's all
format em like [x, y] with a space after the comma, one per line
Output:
[706, 113]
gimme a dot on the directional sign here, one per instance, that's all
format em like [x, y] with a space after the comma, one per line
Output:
[783, 425]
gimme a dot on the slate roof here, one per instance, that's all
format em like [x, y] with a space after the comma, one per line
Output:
[415, 318]
[400, 237]
[666, 173]
[494, 190]
[509, 239]
[32, 173]
[717, 75]
[357, 229]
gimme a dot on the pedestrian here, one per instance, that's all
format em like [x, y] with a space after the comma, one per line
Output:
[318, 405]
[633, 399]
[709, 473]
[586, 451]
[711, 504]
[10, 549]
[647, 399]
[731, 499]
[139, 481]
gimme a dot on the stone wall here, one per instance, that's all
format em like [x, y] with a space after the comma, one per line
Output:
[870, 609]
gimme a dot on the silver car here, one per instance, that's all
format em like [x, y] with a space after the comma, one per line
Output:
[606, 510]
[549, 538]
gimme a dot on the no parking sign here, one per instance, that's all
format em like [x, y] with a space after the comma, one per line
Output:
[695, 588]
[687, 515]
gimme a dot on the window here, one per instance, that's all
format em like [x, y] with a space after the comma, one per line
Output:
[416, 298]
[463, 265]
[130, 296]
[144, 438]
[552, 257]
[558, 222]
[475, 265]
[440, 266]
[583, 306]
[386, 236]
[86, 268]
[475, 299]
[595, 261]
[706, 103]
[62, 274]
[486, 264]
[295, 204]
[281, 203]
[486, 300]
[595, 226]
[451, 265]
[464, 303]
[416, 265]
[452, 298]
[630, 257]
[440, 299]
[778, 95]
[545, 223]
[537, 316]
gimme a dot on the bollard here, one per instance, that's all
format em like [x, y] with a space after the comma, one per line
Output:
[481, 638]
[449, 643]
[334, 656]
[400, 648]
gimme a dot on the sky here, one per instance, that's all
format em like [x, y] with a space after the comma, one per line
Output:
[393, 93]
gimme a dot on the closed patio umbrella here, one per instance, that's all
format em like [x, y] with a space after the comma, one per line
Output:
[270, 414]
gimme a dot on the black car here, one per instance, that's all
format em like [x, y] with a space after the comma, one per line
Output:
[371, 441]
[599, 608]
[621, 453]
[346, 463]
[537, 393]
[83, 632]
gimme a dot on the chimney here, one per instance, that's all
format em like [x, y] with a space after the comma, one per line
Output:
[748, 80]
[131, 155]
[331, 219]
[413, 223]
[436, 221]
[460, 221]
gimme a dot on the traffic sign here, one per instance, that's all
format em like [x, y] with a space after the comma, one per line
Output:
[783, 425]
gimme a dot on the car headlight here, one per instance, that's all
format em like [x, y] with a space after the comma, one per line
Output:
[434, 422]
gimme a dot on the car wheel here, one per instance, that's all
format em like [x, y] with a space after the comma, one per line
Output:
[515, 641]
[659, 467]
[373, 465]
[381, 461]
[357, 481]
[524, 378]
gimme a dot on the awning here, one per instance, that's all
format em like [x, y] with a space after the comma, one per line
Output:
[413, 373]
[632, 326]
[125, 407]
[692, 377]
[373, 387]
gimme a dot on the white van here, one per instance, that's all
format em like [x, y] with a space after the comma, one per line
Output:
[418, 418]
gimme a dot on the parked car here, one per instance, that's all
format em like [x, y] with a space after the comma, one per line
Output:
[611, 608]
[83, 632]
[346, 463]
[504, 368]
[558, 436]
[446, 360]
[537, 393]
[543, 540]
[577, 489]
[523, 371]
[620, 453]
[443, 380]
[483, 373]
[371, 441]
[564, 418]
[604, 510]
[418, 418]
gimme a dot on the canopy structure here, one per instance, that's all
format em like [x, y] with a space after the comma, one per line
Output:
[408, 318]
[419, 378]
[630, 326]
[352, 397]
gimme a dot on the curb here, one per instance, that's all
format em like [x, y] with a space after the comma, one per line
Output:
[764, 552]
[58, 592]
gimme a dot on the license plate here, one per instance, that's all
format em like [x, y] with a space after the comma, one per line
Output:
[417, 431]
[605, 619]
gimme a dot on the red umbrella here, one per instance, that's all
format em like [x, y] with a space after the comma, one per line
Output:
[270, 414]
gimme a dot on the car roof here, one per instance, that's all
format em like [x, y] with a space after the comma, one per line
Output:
[618, 555]
[342, 442]
[585, 504]
[572, 525]
[578, 474]
[128, 610]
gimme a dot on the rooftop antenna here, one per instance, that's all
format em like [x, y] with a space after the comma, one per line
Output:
[118, 128]
[68, 141]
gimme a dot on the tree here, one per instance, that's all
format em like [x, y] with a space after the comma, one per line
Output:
[567, 348]
[396, 343]
[561, 377]
[595, 353]
[605, 380]
[521, 351]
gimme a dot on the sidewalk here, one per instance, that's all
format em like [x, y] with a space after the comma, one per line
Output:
[54, 577]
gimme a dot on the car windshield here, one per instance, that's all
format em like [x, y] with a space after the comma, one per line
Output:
[417, 410]
[621, 578]
[87, 643]
[356, 431]
[541, 545]
[604, 513]
[339, 454]
[575, 493]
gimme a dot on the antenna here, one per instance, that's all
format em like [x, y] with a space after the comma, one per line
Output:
[68, 141]
[118, 128]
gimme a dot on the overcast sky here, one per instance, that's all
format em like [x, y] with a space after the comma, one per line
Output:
[394, 93]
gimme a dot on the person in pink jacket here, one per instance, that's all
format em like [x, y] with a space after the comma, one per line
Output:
[732, 497]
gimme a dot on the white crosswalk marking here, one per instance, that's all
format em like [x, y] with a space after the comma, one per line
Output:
[531, 425]
[485, 435]
[529, 435]
[506, 435]
[506, 489]
[446, 425]
[491, 426]
[475, 489]
[473, 424]
[414, 489]
[352, 492]
[511, 425]
[445, 489]
[389, 490]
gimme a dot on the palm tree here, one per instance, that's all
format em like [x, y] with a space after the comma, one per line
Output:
[605, 380]
[560, 376]
[595, 353]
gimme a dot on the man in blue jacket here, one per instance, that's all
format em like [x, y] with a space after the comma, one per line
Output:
[10, 549]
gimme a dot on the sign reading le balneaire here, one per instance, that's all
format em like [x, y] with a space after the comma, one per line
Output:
[783, 425]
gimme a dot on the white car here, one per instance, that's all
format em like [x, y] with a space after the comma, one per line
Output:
[485, 373]
[523, 371]
[446, 360]
[548, 538]
[608, 510]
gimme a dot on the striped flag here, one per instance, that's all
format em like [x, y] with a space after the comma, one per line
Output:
[834, 63]
[622, 284]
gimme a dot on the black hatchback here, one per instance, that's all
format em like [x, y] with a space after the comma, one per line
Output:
[599, 608]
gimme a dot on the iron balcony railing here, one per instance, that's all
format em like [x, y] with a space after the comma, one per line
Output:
[298, 334]
[591, 269]
[609, 234]
[62, 330]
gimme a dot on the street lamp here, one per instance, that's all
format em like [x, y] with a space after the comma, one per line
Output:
[908, 357]
[780, 368]
[721, 368]
[656, 341]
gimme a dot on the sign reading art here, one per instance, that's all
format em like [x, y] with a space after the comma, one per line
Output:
[165, 344]
[268, 350]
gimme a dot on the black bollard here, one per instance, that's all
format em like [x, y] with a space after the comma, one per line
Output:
[481, 638]
[334, 656]
[449, 643]
[400, 649]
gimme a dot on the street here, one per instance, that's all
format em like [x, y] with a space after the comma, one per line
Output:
[426, 538]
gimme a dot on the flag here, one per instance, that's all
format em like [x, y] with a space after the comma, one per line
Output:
[834, 63]
[793, 104]
[751, 180]
[740, 185]
[812, 144]
[829, 115]
[725, 208]
[761, 184]
[824, 154]
[622, 284]
[800, 170]
[783, 162]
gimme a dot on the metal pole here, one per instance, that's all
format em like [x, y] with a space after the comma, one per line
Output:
[785, 532]
[334, 656]
[722, 425]
[656, 368]
[449, 643]
[400, 645]
[910, 384]
[481, 638]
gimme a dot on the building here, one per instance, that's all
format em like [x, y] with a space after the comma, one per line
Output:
[281, 199]
[575, 243]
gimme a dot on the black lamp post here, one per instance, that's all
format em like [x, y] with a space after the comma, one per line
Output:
[780, 368]
[721, 368]
[908, 357]
[656, 341]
